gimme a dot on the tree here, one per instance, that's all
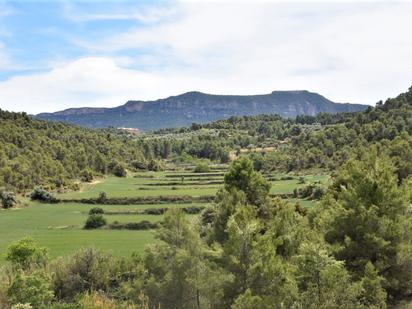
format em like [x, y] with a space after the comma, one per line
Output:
[227, 203]
[243, 177]
[367, 213]
[243, 229]
[179, 274]
[323, 281]
[372, 294]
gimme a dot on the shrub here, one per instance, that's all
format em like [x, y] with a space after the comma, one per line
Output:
[155, 166]
[201, 168]
[142, 225]
[95, 221]
[86, 175]
[86, 270]
[138, 165]
[25, 252]
[7, 199]
[102, 198]
[34, 289]
[42, 195]
[310, 191]
[96, 211]
[117, 169]
[155, 211]
[193, 210]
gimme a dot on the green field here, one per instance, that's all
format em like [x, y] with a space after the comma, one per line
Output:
[59, 227]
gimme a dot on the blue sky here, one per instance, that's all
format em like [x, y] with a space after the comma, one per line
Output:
[60, 54]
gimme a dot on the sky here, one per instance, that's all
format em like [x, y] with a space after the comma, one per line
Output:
[60, 54]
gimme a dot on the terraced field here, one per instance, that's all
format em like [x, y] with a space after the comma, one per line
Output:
[59, 227]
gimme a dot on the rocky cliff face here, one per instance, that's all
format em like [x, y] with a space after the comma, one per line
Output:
[184, 109]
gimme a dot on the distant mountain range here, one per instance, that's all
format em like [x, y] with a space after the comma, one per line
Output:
[197, 107]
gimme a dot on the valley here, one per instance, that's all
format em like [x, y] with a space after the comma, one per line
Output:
[60, 227]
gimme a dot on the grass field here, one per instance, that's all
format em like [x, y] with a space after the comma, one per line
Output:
[59, 227]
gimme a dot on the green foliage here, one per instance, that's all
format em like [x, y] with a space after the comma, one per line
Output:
[102, 198]
[324, 282]
[84, 271]
[86, 175]
[241, 176]
[25, 253]
[117, 169]
[33, 289]
[201, 168]
[39, 153]
[42, 195]
[368, 216]
[136, 226]
[312, 191]
[7, 199]
[372, 294]
[96, 211]
[155, 166]
[95, 221]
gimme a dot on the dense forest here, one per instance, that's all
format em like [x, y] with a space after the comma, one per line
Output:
[35, 152]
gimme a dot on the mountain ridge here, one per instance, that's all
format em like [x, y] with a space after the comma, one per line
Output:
[195, 106]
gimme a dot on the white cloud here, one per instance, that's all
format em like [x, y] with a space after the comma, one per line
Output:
[346, 51]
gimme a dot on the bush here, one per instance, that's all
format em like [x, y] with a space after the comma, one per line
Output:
[138, 165]
[155, 166]
[95, 221]
[42, 195]
[34, 289]
[142, 225]
[202, 168]
[7, 199]
[311, 191]
[154, 211]
[96, 211]
[86, 270]
[102, 198]
[86, 175]
[117, 169]
[25, 253]
[193, 210]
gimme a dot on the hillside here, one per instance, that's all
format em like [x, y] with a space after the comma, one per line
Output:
[324, 141]
[197, 107]
[35, 152]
